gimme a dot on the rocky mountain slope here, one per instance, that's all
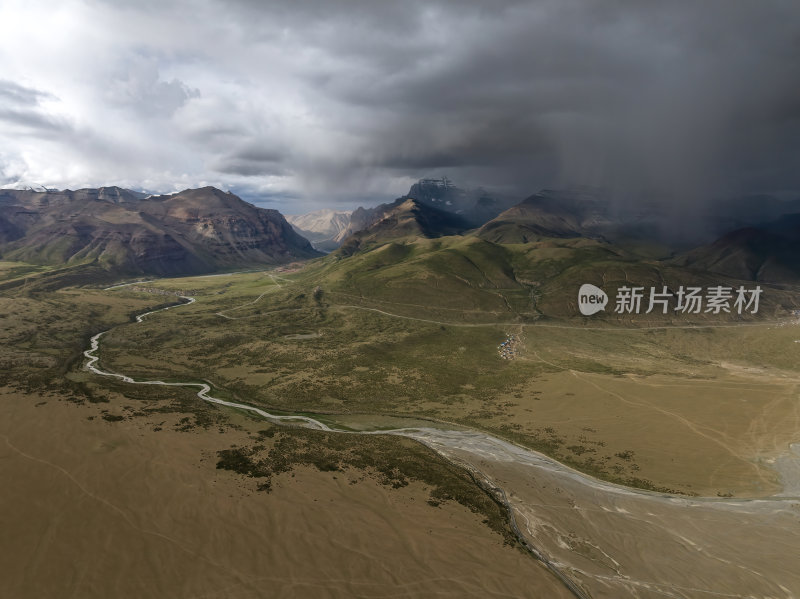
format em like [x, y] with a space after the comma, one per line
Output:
[194, 231]
[470, 208]
[404, 218]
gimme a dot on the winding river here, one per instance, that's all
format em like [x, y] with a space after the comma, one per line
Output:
[601, 539]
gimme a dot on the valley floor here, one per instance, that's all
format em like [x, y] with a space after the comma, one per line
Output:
[141, 490]
[704, 411]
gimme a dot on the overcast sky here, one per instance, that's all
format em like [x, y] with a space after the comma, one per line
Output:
[313, 102]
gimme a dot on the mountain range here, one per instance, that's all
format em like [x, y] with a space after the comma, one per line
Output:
[759, 240]
[548, 234]
[194, 231]
[533, 257]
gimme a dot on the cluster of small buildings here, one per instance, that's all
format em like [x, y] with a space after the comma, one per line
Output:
[508, 349]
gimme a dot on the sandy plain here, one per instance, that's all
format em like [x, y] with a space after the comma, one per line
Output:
[90, 508]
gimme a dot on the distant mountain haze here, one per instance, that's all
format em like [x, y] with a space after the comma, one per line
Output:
[769, 252]
[548, 214]
[475, 206]
[324, 228]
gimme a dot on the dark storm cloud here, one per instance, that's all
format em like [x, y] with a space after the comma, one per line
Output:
[253, 159]
[690, 99]
[249, 165]
[246, 168]
[685, 99]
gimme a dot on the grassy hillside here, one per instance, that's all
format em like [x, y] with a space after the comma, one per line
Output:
[469, 279]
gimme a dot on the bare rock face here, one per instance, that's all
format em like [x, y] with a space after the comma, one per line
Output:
[194, 231]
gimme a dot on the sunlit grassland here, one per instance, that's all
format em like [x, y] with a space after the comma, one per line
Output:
[695, 410]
